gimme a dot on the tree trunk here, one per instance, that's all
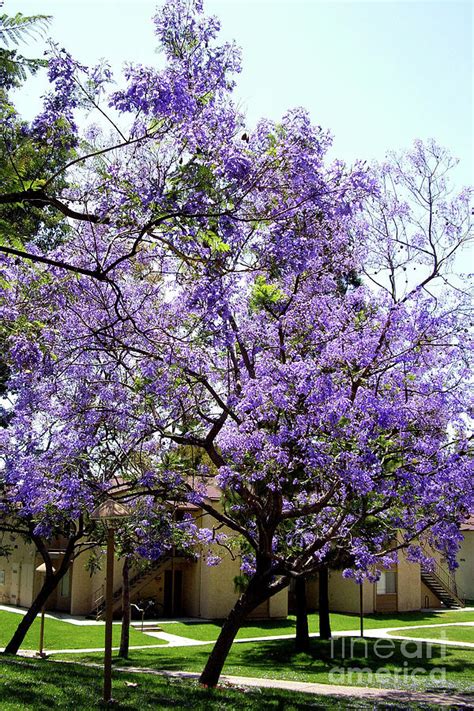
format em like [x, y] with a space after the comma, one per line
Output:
[212, 671]
[302, 631]
[49, 585]
[258, 591]
[324, 620]
[125, 632]
[51, 581]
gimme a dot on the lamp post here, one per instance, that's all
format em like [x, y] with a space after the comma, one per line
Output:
[109, 512]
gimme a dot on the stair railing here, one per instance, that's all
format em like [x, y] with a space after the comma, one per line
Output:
[446, 579]
[98, 597]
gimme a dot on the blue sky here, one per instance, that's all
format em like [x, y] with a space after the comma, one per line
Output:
[377, 74]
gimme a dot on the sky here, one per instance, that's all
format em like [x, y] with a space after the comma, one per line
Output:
[378, 74]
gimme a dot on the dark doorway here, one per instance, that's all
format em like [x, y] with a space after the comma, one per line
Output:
[173, 593]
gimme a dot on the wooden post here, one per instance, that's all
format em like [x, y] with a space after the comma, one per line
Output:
[109, 589]
[361, 608]
[108, 512]
[41, 640]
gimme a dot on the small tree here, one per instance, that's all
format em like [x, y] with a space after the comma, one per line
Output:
[126, 609]
[67, 445]
[25, 527]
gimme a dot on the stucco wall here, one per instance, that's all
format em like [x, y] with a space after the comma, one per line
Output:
[81, 584]
[217, 588]
[408, 585]
[18, 569]
[216, 593]
[278, 604]
[427, 598]
[465, 572]
[344, 594]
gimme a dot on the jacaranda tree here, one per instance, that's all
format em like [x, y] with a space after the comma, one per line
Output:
[292, 319]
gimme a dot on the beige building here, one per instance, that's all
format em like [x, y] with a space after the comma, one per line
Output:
[180, 587]
[405, 587]
[465, 572]
[185, 587]
[400, 589]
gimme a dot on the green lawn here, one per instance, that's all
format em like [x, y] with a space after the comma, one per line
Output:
[455, 633]
[43, 685]
[63, 635]
[400, 619]
[208, 631]
[326, 662]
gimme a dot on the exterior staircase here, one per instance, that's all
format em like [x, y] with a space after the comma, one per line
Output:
[442, 584]
[137, 583]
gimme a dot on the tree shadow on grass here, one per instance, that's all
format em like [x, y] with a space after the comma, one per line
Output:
[29, 685]
[40, 685]
[330, 662]
[278, 659]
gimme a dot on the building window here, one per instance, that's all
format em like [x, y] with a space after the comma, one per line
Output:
[387, 584]
[65, 585]
[2, 577]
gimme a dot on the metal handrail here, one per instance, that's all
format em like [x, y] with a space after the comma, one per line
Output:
[98, 596]
[446, 578]
[144, 573]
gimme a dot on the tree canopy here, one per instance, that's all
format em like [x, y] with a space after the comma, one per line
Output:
[228, 306]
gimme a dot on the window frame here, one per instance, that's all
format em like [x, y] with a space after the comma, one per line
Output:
[388, 579]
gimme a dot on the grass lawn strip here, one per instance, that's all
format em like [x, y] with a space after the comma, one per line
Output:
[209, 631]
[460, 632]
[345, 661]
[62, 635]
[392, 695]
[33, 685]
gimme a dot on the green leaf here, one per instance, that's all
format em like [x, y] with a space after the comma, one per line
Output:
[264, 294]
[216, 244]
[391, 464]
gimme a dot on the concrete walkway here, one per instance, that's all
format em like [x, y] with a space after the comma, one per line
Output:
[377, 633]
[61, 616]
[359, 692]
[175, 640]
[405, 696]
[172, 639]
[83, 621]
